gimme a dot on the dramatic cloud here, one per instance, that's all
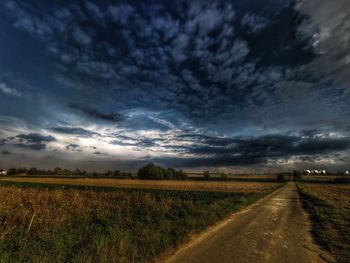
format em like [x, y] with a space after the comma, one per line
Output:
[186, 83]
[34, 141]
[74, 131]
[96, 114]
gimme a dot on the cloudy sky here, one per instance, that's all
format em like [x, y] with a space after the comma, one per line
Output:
[226, 84]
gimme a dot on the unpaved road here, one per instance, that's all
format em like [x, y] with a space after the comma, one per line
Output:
[275, 229]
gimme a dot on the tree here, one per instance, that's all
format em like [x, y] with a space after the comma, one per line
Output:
[281, 178]
[206, 174]
[151, 171]
[297, 175]
[223, 176]
[12, 171]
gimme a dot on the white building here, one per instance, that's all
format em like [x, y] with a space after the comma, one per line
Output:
[3, 172]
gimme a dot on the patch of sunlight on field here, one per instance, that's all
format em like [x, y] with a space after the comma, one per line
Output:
[188, 185]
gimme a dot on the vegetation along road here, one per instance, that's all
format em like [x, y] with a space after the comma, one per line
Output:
[275, 229]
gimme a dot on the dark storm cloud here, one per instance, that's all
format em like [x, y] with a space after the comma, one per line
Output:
[179, 70]
[34, 141]
[96, 114]
[74, 130]
[35, 138]
[199, 57]
[330, 34]
[137, 141]
[213, 151]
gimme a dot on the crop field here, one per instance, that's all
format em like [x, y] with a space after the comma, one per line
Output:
[55, 224]
[329, 207]
[187, 185]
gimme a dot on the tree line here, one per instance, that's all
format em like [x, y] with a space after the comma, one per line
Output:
[149, 171]
[65, 172]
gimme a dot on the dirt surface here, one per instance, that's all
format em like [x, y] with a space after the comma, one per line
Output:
[186, 185]
[275, 229]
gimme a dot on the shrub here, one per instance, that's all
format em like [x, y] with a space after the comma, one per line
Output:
[223, 176]
[152, 171]
[206, 174]
[281, 178]
[298, 176]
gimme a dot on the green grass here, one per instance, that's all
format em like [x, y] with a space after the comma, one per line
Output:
[105, 225]
[330, 217]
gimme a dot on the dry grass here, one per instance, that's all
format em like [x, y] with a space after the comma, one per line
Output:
[217, 186]
[329, 207]
[334, 194]
[76, 225]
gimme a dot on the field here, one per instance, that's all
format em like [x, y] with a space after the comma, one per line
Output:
[39, 223]
[329, 207]
[188, 185]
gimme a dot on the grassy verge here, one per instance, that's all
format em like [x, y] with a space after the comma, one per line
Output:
[329, 208]
[41, 224]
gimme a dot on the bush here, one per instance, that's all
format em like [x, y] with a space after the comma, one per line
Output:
[206, 174]
[223, 176]
[152, 171]
[298, 176]
[281, 178]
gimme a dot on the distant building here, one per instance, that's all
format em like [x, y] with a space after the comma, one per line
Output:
[323, 172]
[3, 172]
[307, 172]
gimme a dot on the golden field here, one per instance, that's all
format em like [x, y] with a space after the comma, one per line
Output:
[54, 224]
[334, 194]
[329, 208]
[187, 185]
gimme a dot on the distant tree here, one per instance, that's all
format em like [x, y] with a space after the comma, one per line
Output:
[117, 173]
[151, 171]
[297, 175]
[32, 171]
[281, 178]
[22, 170]
[12, 171]
[169, 174]
[223, 175]
[206, 174]
[57, 171]
[180, 175]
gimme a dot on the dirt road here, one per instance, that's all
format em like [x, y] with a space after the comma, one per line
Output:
[275, 229]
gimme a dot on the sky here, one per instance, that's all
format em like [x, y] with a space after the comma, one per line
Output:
[225, 85]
